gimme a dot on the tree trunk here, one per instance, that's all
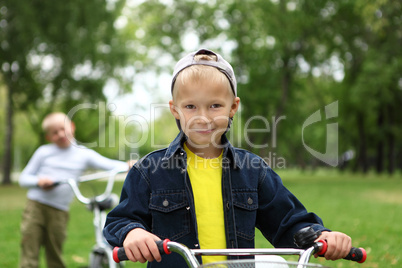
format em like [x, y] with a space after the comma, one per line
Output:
[380, 142]
[285, 90]
[391, 142]
[362, 157]
[8, 139]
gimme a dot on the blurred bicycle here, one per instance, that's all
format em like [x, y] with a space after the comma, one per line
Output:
[101, 255]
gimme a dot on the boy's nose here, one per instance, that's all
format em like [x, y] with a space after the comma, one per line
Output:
[60, 133]
[203, 118]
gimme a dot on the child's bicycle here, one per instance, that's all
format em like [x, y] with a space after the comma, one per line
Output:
[102, 253]
[304, 240]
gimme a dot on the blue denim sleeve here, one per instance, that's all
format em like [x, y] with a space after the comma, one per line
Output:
[280, 213]
[132, 211]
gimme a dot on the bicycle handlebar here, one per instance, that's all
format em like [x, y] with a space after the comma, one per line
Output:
[119, 253]
[357, 254]
[166, 247]
[96, 176]
[305, 237]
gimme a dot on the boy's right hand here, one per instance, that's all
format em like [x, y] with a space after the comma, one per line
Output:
[45, 183]
[140, 245]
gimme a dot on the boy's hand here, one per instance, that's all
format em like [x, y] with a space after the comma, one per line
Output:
[339, 245]
[131, 163]
[139, 245]
[45, 183]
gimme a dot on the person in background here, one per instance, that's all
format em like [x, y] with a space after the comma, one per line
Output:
[45, 217]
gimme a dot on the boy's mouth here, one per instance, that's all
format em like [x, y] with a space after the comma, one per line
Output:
[63, 140]
[204, 131]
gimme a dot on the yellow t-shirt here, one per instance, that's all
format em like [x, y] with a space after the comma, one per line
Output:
[206, 182]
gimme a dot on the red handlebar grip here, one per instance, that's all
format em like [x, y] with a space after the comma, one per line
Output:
[162, 246]
[356, 254]
[119, 254]
[364, 257]
[323, 248]
[165, 248]
[115, 254]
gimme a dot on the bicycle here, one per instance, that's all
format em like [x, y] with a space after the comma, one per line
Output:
[304, 238]
[101, 254]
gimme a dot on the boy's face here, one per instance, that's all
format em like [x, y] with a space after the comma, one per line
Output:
[203, 108]
[60, 132]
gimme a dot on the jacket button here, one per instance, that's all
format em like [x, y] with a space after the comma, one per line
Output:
[165, 203]
[250, 201]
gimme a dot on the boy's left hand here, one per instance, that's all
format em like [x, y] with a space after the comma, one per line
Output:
[339, 245]
[131, 163]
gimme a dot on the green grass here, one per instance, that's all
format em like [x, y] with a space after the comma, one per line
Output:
[366, 207]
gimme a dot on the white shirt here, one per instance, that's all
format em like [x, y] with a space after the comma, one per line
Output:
[60, 164]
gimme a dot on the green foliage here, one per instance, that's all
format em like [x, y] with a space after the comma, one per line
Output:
[63, 53]
[293, 58]
[56, 56]
[2, 120]
[161, 132]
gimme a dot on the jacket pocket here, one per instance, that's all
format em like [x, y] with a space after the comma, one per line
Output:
[245, 204]
[170, 214]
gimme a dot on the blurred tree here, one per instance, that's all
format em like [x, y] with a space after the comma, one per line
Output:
[368, 40]
[292, 58]
[273, 56]
[55, 55]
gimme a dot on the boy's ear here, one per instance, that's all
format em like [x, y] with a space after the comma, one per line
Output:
[72, 127]
[234, 107]
[173, 110]
[47, 137]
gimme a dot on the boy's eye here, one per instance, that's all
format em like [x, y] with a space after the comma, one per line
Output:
[190, 106]
[216, 105]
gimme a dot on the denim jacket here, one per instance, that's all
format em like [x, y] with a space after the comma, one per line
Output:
[157, 196]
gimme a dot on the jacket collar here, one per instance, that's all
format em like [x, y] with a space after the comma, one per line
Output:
[176, 147]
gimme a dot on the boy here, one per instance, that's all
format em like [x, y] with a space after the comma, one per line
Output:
[46, 214]
[201, 191]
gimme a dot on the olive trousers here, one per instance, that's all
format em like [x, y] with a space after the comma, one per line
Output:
[45, 226]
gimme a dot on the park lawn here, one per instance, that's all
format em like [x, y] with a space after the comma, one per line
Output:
[366, 207]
